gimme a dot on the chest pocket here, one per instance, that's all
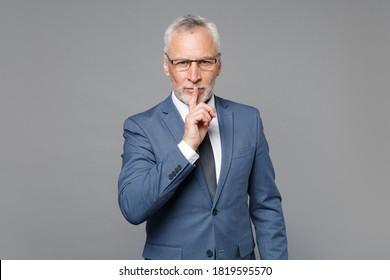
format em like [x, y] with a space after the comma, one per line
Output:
[243, 152]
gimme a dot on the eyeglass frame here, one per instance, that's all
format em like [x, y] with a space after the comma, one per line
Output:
[215, 59]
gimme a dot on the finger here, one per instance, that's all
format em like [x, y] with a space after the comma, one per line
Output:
[205, 118]
[209, 109]
[199, 118]
[194, 99]
[212, 112]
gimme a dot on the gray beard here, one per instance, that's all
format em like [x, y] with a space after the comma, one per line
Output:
[208, 93]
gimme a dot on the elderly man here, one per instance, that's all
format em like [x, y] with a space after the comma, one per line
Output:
[191, 162]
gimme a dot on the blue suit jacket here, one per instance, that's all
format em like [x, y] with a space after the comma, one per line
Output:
[158, 185]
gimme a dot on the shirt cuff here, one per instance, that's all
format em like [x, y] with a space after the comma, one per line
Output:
[188, 152]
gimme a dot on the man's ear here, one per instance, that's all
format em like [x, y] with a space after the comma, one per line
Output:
[165, 65]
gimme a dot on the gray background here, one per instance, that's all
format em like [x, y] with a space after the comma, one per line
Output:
[72, 71]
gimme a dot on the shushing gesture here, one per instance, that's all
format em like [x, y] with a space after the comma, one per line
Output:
[197, 121]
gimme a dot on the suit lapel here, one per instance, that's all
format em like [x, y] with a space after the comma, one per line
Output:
[172, 119]
[226, 128]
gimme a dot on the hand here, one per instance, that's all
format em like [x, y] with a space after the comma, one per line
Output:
[197, 121]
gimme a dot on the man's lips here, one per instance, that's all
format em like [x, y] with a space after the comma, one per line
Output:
[191, 89]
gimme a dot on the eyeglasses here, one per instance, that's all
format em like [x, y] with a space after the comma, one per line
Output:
[205, 64]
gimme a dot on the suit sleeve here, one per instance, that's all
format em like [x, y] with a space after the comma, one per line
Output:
[144, 184]
[265, 203]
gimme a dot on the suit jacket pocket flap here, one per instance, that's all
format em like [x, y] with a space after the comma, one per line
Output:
[246, 246]
[161, 252]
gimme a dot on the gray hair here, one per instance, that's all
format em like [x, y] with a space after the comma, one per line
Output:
[189, 22]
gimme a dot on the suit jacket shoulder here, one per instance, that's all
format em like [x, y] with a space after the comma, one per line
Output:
[164, 106]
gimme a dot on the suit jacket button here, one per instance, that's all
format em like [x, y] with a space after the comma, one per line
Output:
[209, 253]
[215, 212]
[170, 177]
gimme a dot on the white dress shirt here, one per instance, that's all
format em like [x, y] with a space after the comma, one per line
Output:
[213, 131]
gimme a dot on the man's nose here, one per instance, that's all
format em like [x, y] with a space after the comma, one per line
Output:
[193, 73]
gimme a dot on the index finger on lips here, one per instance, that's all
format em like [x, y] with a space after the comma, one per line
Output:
[193, 99]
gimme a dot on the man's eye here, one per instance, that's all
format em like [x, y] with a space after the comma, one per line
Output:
[182, 63]
[205, 62]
